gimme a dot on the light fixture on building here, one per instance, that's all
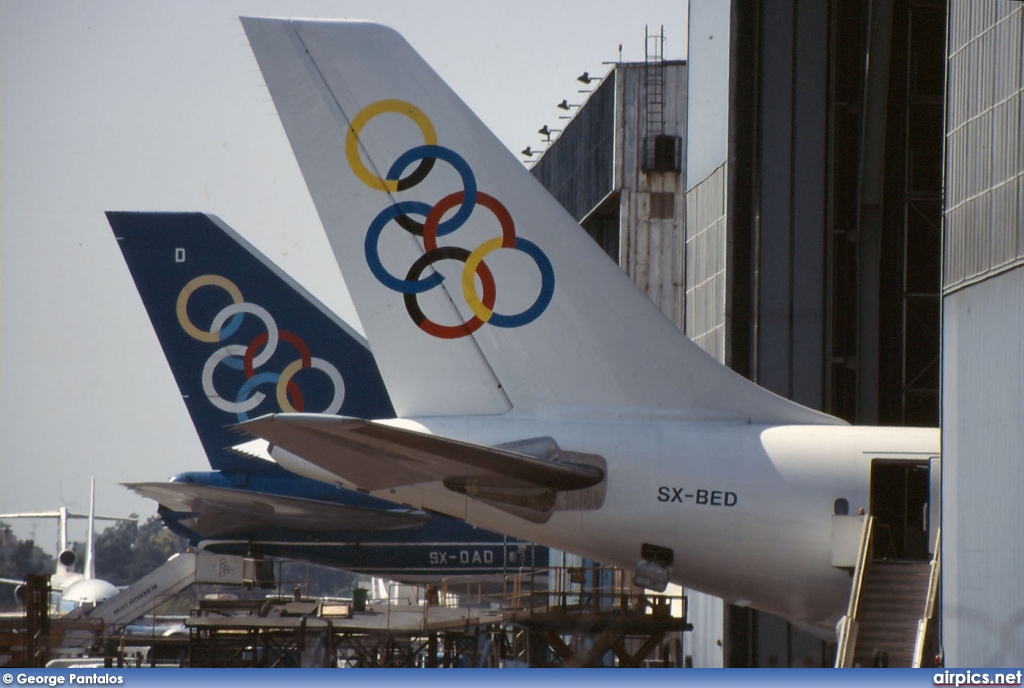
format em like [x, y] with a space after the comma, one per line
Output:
[528, 152]
[586, 78]
[545, 131]
[565, 104]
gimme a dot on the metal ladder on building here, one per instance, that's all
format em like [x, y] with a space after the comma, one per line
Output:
[654, 92]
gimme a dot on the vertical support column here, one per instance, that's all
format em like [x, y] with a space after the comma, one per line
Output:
[871, 185]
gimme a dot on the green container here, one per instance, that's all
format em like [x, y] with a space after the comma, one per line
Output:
[359, 599]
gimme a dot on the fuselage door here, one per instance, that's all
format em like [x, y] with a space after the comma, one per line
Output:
[900, 491]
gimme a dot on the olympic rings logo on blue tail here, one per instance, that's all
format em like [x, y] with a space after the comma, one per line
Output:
[432, 227]
[248, 357]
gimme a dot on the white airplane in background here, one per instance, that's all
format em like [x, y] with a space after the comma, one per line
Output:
[539, 393]
[70, 588]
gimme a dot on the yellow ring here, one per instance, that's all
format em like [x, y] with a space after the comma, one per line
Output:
[182, 308]
[355, 161]
[282, 385]
[469, 277]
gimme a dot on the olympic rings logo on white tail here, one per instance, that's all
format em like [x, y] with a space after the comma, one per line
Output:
[249, 357]
[432, 227]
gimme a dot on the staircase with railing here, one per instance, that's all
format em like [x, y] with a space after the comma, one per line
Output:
[891, 605]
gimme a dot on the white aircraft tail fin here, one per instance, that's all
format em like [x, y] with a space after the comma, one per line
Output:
[478, 292]
[90, 562]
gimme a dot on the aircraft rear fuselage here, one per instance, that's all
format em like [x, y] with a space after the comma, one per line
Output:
[746, 510]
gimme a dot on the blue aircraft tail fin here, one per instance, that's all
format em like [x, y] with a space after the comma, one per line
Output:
[242, 337]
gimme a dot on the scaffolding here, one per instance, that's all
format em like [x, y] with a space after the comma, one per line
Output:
[592, 616]
[561, 616]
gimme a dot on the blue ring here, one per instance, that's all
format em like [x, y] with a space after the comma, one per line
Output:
[233, 324]
[250, 384]
[547, 288]
[461, 166]
[373, 253]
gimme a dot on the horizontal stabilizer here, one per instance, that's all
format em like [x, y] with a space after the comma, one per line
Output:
[218, 511]
[376, 456]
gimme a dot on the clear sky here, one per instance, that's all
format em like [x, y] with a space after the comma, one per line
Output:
[138, 105]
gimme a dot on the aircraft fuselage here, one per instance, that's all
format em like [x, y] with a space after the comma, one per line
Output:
[747, 510]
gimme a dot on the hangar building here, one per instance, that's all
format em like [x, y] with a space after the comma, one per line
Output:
[983, 336]
[811, 139]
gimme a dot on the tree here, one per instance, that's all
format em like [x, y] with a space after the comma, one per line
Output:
[126, 552]
[19, 558]
[154, 545]
[113, 552]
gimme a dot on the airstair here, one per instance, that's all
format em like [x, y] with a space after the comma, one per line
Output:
[33, 639]
[83, 628]
[892, 603]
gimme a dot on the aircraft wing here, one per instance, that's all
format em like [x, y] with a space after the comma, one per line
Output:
[376, 456]
[216, 511]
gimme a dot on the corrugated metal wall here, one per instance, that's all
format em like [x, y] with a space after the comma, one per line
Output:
[706, 254]
[579, 169]
[985, 142]
[983, 337]
[651, 248]
[594, 167]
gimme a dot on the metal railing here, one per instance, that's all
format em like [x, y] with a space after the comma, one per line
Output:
[582, 590]
[929, 603]
[848, 624]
